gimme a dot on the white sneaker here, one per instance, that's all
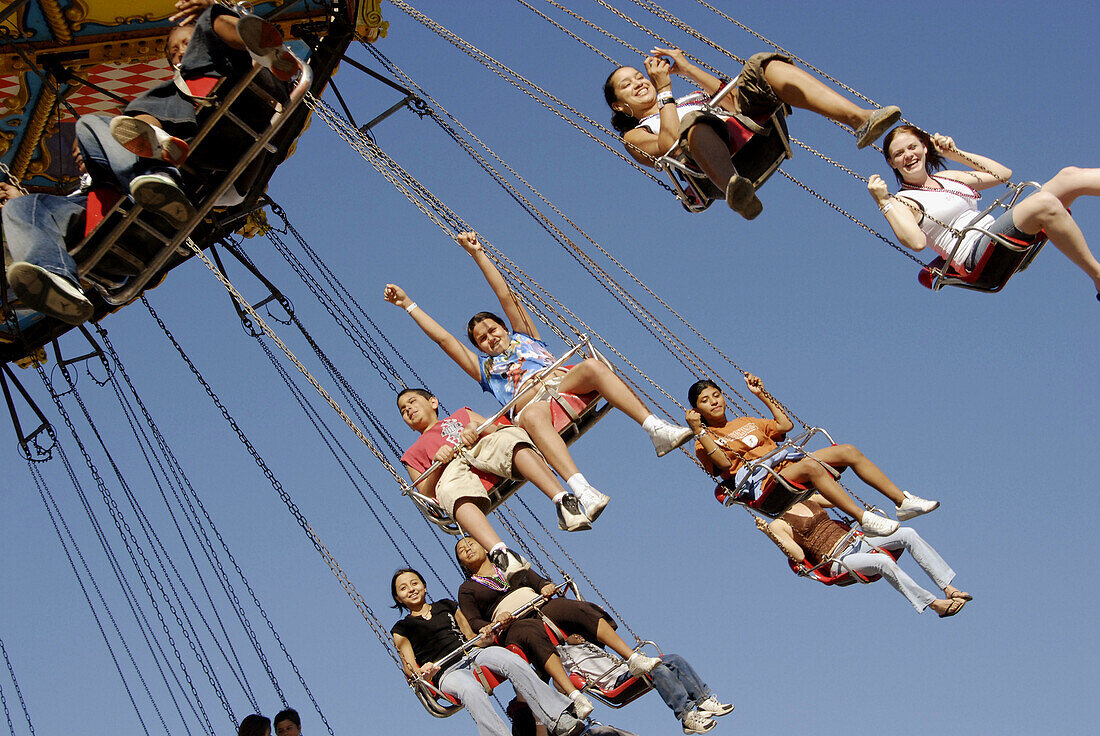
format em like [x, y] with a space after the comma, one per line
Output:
[147, 141]
[712, 706]
[696, 721]
[264, 42]
[593, 502]
[509, 563]
[877, 526]
[667, 437]
[582, 706]
[915, 506]
[639, 664]
[49, 294]
[571, 516]
[161, 194]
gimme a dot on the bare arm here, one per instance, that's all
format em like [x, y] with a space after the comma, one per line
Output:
[985, 171]
[702, 78]
[457, 352]
[900, 212]
[408, 659]
[710, 454]
[781, 534]
[426, 486]
[517, 316]
[756, 387]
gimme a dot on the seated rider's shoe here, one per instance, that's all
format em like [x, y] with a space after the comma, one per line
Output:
[877, 526]
[264, 42]
[147, 141]
[879, 122]
[593, 502]
[667, 437]
[571, 516]
[713, 706]
[582, 706]
[567, 725]
[639, 664]
[49, 294]
[741, 197]
[696, 721]
[161, 194]
[915, 506]
[509, 563]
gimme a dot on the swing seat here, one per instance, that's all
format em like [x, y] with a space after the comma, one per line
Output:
[125, 248]
[442, 705]
[756, 156]
[820, 572]
[1004, 257]
[615, 696]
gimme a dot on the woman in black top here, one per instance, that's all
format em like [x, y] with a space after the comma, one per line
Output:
[431, 631]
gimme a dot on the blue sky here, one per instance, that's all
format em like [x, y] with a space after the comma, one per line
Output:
[986, 403]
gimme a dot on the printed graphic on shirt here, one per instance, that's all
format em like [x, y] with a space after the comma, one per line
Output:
[451, 428]
[745, 434]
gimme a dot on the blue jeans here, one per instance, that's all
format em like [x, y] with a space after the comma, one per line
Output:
[678, 684]
[106, 161]
[38, 226]
[546, 703]
[865, 560]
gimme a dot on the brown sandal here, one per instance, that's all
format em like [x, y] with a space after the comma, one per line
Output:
[953, 607]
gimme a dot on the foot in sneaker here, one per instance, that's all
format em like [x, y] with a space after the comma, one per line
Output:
[877, 526]
[509, 563]
[915, 506]
[667, 437]
[582, 706]
[878, 123]
[593, 502]
[161, 194]
[571, 516]
[147, 141]
[567, 725]
[639, 664]
[264, 42]
[696, 721]
[741, 197]
[49, 294]
[714, 707]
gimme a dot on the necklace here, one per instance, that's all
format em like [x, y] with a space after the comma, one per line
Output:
[493, 582]
[426, 612]
[941, 188]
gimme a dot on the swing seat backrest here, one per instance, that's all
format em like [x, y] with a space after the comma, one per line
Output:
[442, 705]
[843, 578]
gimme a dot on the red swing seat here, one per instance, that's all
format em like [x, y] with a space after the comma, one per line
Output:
[819, 572]
[622, 694]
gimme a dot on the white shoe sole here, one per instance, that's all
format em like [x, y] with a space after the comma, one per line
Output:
[907, 514]
[44, 292]
[162, 197]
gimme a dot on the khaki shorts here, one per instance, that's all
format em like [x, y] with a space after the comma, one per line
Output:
[752, 96]
[492, 454]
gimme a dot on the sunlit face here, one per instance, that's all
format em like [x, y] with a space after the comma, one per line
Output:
[418, 412]
[633, 91]
[908, 155]
[177, 44]
[78, 158]
[470, 553]
[711, 404]
[286, 727]
[410, 590]
[491, 337]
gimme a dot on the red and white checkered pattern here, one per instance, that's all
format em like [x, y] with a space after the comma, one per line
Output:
[9, 86]
[126, 80]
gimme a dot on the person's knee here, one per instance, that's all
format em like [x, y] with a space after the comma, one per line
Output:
[1045, 205]
[536, 417]
[1069, 172]
[849, 453]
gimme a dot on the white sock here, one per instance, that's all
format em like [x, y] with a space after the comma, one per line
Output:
[559, 497]
[499, 545]
[652, 423]
[577, 483]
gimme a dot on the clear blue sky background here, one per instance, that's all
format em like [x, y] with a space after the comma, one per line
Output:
[986, 403]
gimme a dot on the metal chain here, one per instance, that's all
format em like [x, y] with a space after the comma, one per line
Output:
[12, 179]
[18, 691]
[349, 588]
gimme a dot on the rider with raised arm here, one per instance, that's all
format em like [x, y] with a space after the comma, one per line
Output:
[511, 352]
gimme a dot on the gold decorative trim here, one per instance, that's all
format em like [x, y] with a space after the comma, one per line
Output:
[36, 126]
[55, 19]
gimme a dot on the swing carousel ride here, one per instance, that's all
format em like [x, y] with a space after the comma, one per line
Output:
[181, 463]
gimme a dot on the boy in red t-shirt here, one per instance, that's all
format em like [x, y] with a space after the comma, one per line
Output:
[471, 464]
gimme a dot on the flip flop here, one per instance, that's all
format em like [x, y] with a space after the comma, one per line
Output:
[962, 596]
[953, 607]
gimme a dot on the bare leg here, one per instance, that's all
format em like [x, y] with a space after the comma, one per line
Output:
[850, 457]
[534, 468]
[592, 375]
[1073, 182]
[607, 636]
[473, 521]
[1046, 210]
[554, 668]
[537, 422]
[809, 471]
[800, 89]
[711, 153]
[226, 28]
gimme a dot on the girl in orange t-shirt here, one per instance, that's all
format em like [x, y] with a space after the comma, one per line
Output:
[723, 446]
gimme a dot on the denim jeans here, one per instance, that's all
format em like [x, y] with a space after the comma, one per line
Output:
[37, 227]
[678, 684]
[106, 161]
[864, 560]
[546, 703]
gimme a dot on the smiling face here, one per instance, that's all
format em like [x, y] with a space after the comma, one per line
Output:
[490, 336]
[634, 93]
[470, 554]
[711, 405]
[908, 156]
[419, 412]
[409, 590]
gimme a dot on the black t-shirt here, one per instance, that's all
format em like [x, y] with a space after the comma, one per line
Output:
[435, 637]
